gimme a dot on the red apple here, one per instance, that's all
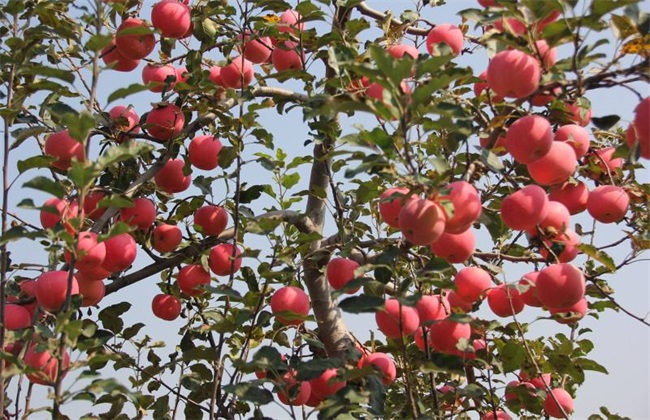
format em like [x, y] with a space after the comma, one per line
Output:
[557, 220]
[570, 242]
[528, 289]
[471, 282]
[505, 301]
[326, 384]
[457, 304]
[445, 335]
[221, 260]
[115, 60]
[421, 221]
[396, 320]
[545, 54]
[454, 248]
[159, 77]
[17, 317]
[92, 291]
[513, 74]
[561, 397]
[632, 138]
[211, 219]
[165, 122]
[171, 18]
[529, 138]
[290, 21]
[292, 392]
[642, 125]
[431, 308]
[390, 204]
[608, 203]
[191, 278]
[480, 87]
[166, 307]
[89, 252]
[604, 158]
[134, 46]
[64, 148]
[340, 271]
[141, 215]
[288, 55]
[52, 288]
[444, 33]
[171, 177]
[256, 49]
[215, 76]
[467, 206]
[124, 120]
[92, 274]
[555, 167]
[560, 285]
[523, 209]
[46, 364]
[576, 136]
[573, 195]
[400, 50]
[166, 238]
[238, 73]
[121, 251]
[293, 301]
[577, 114]
[56, 210]
[384, 363]
[203, 152]
[512, 25]
[571, 314]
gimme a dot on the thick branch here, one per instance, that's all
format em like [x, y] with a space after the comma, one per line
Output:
[366, 10]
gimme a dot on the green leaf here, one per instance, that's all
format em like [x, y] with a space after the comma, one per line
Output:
[45, 71]
[83, 174]
[126, 91]
[19, 232]
[47, 185]
[111, 316]
[38, 161]
[598, 255]
[122, 152]
[512, 356]
[250, 392]
[602, 7]
[22, 134]
[588, 364]
[362, 303]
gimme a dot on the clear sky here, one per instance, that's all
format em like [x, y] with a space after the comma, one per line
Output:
[621, 343]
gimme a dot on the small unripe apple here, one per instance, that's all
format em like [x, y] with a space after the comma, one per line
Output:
[444, 33]
[292, 300]
[166, 307]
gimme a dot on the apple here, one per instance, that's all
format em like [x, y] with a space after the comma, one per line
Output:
[182, 76]
[513, 74]
[115, 60]
[421, 221]
[238, 73]
[471, 282]
[171, 18]
[571, 314]
[561, 397]
[358, 87]
[340, 271]
[546, 54]
[166, 307]
[514, 390]
[487, 3]
[418, 337]
[504, 300]
[529, 138]
[482, 86]
[52, 288]
[431, 308]
[576, 136]
[56, 210]
[545, 98]
[396, 320]
[89, 252]
[46, 364]
[391, 202]
[165, 122]
[454, 248]
[326, 384]
[292, 392]
[215, 76]
[512, 25]
[608, 203]
[446, 334]
[557, 220]
[384, 363]
[121, 251]
[604, 158]
[91, 291]
[190, 279]
[400, 50]
[577, 114]
[525, 208]
[457, 304]
[496, 415]
[560, 285]
[91, 202]
[632, 139]
[16, 317]
[166, 238]
[141, 215]
[290, 21]
[221, 259]
[256, 49]
[124, 120]
[92, 274]
[159, 77]
[444, 33]
[528, 289]
[171, 177]
[570, 242]
[64, 148]
[211, 219]
[134, 46]
[467, 206]
[574, 196]
[288, 55]
[203, 152]
[539, 382]
[642, 125]
[293, 301]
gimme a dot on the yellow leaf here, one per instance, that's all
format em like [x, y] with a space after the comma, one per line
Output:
[639, 46]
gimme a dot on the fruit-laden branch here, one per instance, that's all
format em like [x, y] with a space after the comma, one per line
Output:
[302, 223]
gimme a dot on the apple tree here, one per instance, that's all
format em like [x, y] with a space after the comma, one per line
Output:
[447, 187]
